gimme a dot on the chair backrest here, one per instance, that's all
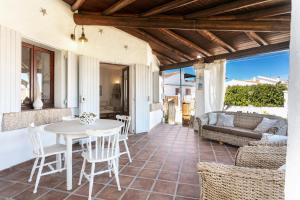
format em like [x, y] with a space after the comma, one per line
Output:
[103, 144]
[126, 121]
[35, 138]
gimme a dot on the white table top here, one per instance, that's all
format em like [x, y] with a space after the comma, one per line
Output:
[75, 127]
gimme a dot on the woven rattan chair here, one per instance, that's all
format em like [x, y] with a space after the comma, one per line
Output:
[255, 176]
[226, 182]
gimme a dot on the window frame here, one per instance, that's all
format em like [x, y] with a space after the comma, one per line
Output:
[33, 72]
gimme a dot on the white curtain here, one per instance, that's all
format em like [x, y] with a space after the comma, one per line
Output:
[214, 85]
[210, 88]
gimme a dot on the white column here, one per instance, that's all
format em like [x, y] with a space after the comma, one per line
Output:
[292, 191]
[199, 94]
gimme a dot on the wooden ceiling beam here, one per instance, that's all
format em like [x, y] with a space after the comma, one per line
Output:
[256, 38]
[270, 12]
[167, 7]
[151, 39]
[162, 55]
[238, 54]
[185, 41]
[215, 39]
[141, 22]
[263, 14]
[77, 5]
[117, 6]
[226, 7]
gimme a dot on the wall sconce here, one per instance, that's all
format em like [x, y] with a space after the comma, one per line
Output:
[82, 38]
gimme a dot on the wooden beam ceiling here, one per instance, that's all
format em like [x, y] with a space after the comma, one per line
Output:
[117, 6]
[77, 5]
[151, 39]
[215, 39]
[234, 55]
[167, 7]
[140, 22]
[185, 42]
[263, 13]
[256, 38]
[223, 8]
[164, 56]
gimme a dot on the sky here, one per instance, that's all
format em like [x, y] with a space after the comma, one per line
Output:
[270, 65]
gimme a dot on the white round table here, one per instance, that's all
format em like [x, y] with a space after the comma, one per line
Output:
[73, 129]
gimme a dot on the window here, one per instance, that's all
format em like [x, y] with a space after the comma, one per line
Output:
[188, 91]
[177, 91]
[37, 76]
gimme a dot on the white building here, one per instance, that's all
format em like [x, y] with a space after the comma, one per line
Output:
[172, 85]
[255, 81]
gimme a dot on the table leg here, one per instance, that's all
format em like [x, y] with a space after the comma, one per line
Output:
[69, 163]
[58, 157]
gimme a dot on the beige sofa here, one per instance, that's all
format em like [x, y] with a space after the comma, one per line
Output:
[243, 131]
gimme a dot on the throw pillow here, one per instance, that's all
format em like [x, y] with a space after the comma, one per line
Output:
[274, 139]
[265, 125]
[212, 118]
[225, 120]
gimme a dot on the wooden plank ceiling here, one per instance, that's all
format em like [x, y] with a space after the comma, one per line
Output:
[184, 32]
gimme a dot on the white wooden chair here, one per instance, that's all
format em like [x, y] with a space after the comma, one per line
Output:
[102, 146]
[81, 141]
[41, 152]
[124, 133]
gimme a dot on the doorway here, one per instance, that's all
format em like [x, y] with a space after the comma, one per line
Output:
[114, 90]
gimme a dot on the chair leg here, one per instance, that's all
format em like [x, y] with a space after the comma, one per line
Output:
[127, 150]
[33, 169]
[39, 174]
[91, 181]
[109, 167]
[82, 171]
[116, 172]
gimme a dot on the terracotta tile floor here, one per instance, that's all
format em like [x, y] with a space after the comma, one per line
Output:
[163, 167]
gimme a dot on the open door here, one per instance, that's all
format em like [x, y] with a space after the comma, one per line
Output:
[89, 83]
[142, 98]
[125, 84]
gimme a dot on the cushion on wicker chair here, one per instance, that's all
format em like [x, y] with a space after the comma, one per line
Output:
[225, 120]
[234, 131]
[265, 125]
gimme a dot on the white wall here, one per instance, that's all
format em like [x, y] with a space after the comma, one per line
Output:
[293, 162]
[53, 30]
[278, 111]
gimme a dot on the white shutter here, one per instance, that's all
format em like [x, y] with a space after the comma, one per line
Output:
[72, 81]
[142, 98]
[89, 76]
[10, 70]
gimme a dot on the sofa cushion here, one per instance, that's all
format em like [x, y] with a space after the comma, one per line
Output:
[225, 120]
[247, 121]
[265, 125]
[234, 131]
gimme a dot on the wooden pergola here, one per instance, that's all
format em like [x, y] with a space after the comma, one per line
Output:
[184, 32]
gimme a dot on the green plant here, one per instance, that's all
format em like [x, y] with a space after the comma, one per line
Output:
[263, 95]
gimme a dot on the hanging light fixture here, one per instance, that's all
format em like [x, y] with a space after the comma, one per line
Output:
[82, 38]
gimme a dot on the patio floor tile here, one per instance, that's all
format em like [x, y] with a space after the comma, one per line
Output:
[164, 166]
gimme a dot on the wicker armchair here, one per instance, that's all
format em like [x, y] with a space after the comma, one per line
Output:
[270, 157]
[256, 176]
[225, 182]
